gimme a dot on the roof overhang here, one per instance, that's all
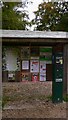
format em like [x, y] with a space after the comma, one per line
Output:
[33, 36]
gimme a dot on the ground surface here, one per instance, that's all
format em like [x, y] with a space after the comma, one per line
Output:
[30, 100]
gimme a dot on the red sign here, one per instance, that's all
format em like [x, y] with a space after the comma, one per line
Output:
[35, 77]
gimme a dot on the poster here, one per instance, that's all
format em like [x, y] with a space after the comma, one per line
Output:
[25, 65]
[35, 77]
[42, 70]
[42, 77]
[25, 76]
[11, 75]
[46, 54]
[34, 66]
[42, 67]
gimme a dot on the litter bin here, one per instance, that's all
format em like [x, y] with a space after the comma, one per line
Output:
[57, 83]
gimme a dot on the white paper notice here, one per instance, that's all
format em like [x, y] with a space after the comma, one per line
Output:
[25, 65]
[10, 75]
[42, 67]
[42, 77]
[34, 66]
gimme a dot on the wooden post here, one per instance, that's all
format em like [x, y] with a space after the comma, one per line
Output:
[65, 81]
[0, 79]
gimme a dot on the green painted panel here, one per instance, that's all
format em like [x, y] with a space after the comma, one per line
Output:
[57, 92]
[46, 49]
[46, 53]
[57, 85]
[46, 58]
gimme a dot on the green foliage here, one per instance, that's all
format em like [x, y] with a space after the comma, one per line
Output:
[12, 18]
[51, 16]
[65, 98]
[63, 24]
[4, 101]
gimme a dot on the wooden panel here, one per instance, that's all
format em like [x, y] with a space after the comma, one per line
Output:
[17, 76]
[34, 51]
[49, 72]
[5, 76]
[58, 48]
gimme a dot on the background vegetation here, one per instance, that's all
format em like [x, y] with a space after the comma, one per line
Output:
[50, 16]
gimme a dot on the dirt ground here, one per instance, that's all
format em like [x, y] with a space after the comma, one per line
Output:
[30, 100]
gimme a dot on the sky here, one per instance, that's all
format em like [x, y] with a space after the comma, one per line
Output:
[34, 6]
[31, 7]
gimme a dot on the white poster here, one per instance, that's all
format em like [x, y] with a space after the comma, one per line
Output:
[10, 75]
[43, 67]
[25, 65]
[34, 66]
[11, 59]
[42, 77]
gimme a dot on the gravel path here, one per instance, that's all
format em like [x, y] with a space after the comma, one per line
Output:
[31, 100]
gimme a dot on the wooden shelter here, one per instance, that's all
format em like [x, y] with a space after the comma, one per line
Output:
[27, 55]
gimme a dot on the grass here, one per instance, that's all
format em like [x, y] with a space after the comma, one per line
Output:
[65, 98]
[29, 98]
[6, 99]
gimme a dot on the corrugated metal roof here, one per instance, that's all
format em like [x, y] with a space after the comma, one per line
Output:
[32, 34]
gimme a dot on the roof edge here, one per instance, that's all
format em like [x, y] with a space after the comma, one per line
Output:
[32, 34]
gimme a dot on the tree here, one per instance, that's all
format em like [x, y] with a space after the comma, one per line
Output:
[50, 16]
[12, 17]
[63, 24]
